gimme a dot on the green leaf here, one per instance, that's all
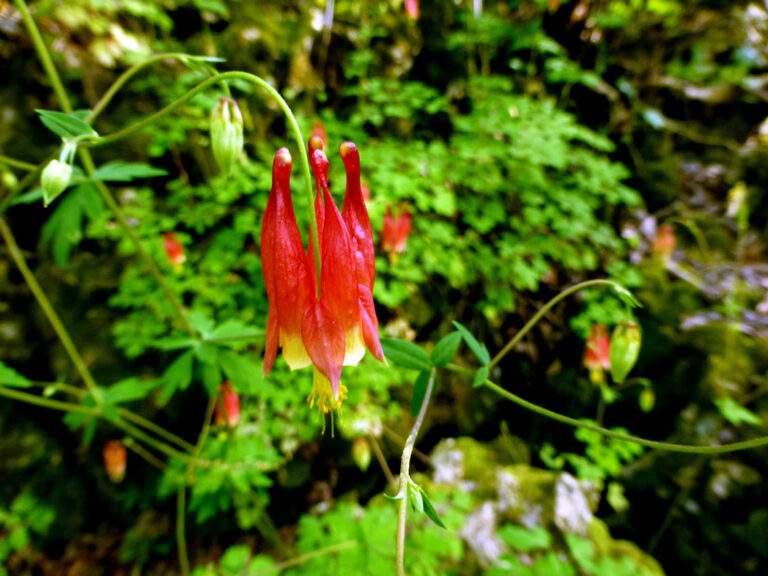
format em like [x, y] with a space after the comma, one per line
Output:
[64, 228]
[523, 539]
[478, 349]
[234, 329]
[174, 343]
[178, 375]
[129, 390]
[419, 391]
[210, 376]
[234, 559]
[395, 498]
[66, 125]
[737, 414]
[9, 377]
[34, 195]
[241, 371]
[446, 349]
[429, 509]
[200, 322]
[480, 376]
[119, 171]
[406, 354]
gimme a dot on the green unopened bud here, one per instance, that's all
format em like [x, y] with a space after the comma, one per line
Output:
[55, 180]
[647, 399]
[625, 348]
[361, 453]
[226, 133]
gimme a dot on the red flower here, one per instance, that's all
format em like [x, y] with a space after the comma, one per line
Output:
[412, 9]
[597, 356]
[231, 405]
[173, 249]
[329, 325]
[663, 244]
[115, 458]
[395, 232]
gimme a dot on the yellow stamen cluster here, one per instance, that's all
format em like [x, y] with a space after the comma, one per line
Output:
[322, 395]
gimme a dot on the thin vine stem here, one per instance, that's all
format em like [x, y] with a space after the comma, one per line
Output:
[123, 79]
[405, 477]
[181, 538]
[44, 56]
[546, 308]
[152, 427]
[307, 557]
[49, 311]
[16, 394]
[181, 496]
[223, 77]
[14, 163]
[106, 195]
[668, 446]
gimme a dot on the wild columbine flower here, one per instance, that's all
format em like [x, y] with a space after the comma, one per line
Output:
[330, 325]
[394, 233]
[174, 250]
[597, 355]
[230, 403]
[115, 460]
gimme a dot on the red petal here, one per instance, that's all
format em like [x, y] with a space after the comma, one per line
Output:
[370, 323]
[324, 338]
[355, 216]
[270, 349]
[338, 284]
[283, 258]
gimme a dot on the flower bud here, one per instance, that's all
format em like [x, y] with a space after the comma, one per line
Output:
[663, 244]
[361, 453]
[115, 458]
[226, 133]
[597, 354]
[412, 9]
[55, 180]
[174, 249]
[231, 403]
[624, 350]
[647, 399]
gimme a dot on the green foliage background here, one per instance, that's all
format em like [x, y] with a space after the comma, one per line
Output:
[535, 144]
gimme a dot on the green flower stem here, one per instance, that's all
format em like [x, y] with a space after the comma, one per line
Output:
[223, 77]
[49, 311]
[152, 427]
[123, 79]
[105, 194]
[16, 394]
[546, 308]
[349, 544]
[668, 446]
[20, 164]
[181, 539]
[134, 446]
[26, 181]
[405, 476]
[181, 493]
[45, 57]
